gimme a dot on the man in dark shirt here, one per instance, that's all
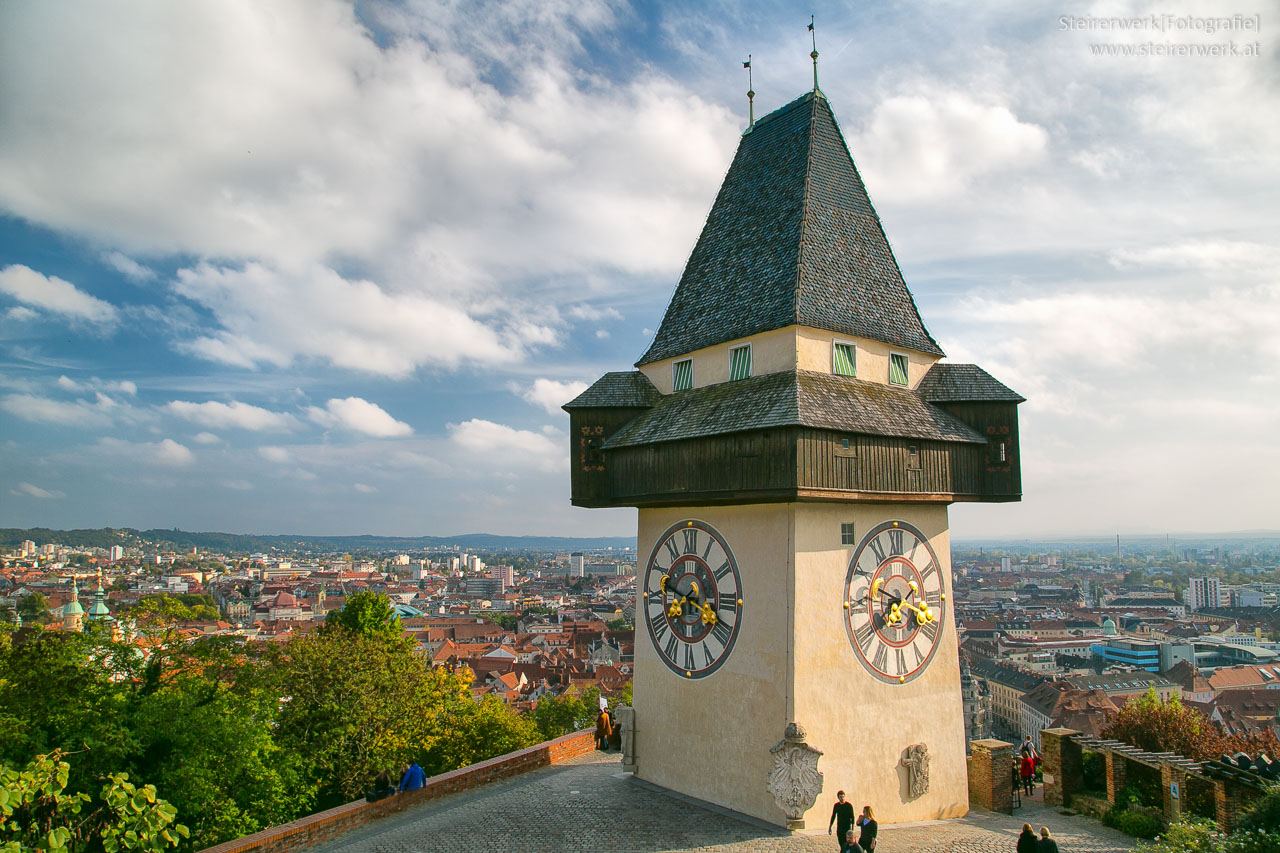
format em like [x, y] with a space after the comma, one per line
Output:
[842, 817]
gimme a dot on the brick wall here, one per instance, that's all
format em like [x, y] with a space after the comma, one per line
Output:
[1062, 765]
[990, 781]
[322, 826]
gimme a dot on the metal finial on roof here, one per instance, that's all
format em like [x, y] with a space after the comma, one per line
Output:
[751, 96]
[814, 56]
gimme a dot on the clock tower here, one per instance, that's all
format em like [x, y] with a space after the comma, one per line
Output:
[792, 440]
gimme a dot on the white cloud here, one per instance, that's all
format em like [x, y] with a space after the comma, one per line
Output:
[128, 267]
[123, 386]
[233, 415]
[21, 314]
[36, 409]
[503, 448]
[359, 415]
[237, 485]
[279, 455]
[166, 452]
[934, 142]
[273, 317]
[365, 489]
[32, 491]
[54, 294]
[206, 438]
[550, 394]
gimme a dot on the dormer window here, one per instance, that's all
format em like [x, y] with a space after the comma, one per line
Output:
[844, 360]
[897, 368]
[682, 375]
[739, 362]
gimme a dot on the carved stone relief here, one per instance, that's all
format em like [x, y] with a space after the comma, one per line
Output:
[916, 762]
[794, 781]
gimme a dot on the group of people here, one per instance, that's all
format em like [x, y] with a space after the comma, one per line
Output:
[1027, 758]
[608, 730]
[855, 836]
[1028, 843]
[384, 784]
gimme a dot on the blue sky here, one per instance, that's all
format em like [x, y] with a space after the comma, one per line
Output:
[321, 268]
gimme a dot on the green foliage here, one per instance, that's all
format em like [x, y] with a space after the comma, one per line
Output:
[34, 608]
[37, 815]
[1135, 822]
[163, 607]
[505, 621]
[622, 623]
[366, 614]
[1264, 814]
[479, 730]
[1203, 836]
[573, 711]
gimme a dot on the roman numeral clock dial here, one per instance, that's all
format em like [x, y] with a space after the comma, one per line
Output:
[692, 599]
[894, 602]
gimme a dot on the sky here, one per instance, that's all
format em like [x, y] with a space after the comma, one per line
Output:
[318, 267]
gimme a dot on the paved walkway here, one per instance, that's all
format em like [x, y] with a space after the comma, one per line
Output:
[588, 805]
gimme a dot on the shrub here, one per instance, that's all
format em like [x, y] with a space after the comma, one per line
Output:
[1139, 824]
[1186, 836]
[1263, 814]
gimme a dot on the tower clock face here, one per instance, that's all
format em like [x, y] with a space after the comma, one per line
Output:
[692, 599]
[894, 602]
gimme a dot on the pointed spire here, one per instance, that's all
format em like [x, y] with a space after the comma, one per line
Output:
[814, 56]
[751, 96]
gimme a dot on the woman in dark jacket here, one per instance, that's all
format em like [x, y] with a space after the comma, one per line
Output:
[1046, 844]
[1027, 840]
[868, 829]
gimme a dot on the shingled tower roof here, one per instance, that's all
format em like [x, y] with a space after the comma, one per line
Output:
[791, 240]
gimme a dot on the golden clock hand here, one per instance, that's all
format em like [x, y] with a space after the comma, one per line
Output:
[693, 589]
[708, 615]
[676, 610]
[923, 612]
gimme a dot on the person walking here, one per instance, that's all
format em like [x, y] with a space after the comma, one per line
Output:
[842, 817]
[413, 778]
[1046, 843]
[868, 828]
[1027, 842]
[604, 728]
[1028, 773]
[1028, 748]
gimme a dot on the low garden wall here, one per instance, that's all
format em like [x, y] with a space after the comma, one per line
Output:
[322, 826]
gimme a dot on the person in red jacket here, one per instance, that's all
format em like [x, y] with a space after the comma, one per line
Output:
[1028, 773]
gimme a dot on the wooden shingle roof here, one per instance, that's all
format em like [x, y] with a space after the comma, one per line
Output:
[629, 388]
[792, 239]
[964, 383]
[798, 398]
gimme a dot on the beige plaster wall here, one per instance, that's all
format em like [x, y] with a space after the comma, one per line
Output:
[813, 353]
[710, 738]
[790, 348]
[861, 724]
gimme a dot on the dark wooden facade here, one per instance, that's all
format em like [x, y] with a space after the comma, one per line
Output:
[795, 463]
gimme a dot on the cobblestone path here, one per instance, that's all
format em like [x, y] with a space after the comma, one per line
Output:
[588, 805]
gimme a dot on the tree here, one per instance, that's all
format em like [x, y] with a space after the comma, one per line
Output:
[366, 614]
[34, 608]
[37, 815]
[1166, 725]
[622, 623]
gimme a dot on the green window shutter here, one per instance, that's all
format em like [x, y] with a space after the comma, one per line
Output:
[682, 375]
[897, 369]
[842, 360]
[740, 363]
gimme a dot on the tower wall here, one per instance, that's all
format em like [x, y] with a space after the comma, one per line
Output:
[710, 737]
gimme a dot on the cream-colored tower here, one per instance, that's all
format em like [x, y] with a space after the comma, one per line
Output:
[793, 440]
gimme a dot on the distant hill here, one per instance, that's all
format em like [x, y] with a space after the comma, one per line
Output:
[243, 543]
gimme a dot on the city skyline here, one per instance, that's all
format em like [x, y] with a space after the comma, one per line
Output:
[335, 270]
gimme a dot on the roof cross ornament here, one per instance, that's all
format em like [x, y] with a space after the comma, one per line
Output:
[751, 96]
[814, 56]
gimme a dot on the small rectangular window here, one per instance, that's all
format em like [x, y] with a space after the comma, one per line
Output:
[844, 360]
[846, 534]
[897, 369]
[740, 362]
[682, 375]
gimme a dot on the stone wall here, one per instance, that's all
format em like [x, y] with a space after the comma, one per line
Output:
[990, 782]
[322, 826]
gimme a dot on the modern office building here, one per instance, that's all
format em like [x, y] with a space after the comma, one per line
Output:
[1204, 593]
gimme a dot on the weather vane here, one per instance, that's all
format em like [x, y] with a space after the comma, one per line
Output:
[751, 96]
[814, 38]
